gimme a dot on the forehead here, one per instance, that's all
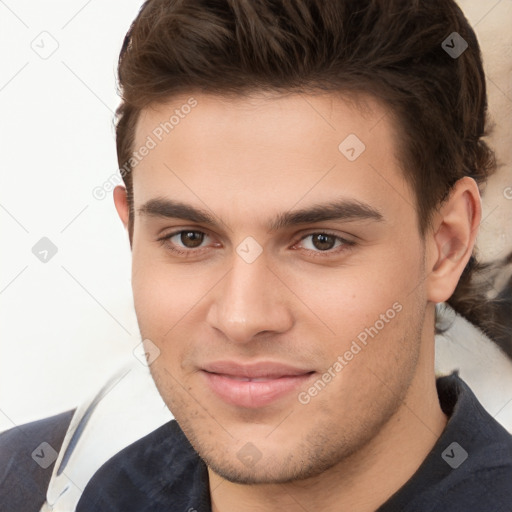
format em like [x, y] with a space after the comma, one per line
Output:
[286, 118]
[263, 150]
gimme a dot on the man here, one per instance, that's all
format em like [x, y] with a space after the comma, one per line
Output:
[302, 189]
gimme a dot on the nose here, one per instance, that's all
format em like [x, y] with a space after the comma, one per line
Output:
[250, 301]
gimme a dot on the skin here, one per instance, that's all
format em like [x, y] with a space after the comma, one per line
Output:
[246, 160]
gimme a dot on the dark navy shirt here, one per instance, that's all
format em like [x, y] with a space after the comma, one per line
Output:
[469, 468]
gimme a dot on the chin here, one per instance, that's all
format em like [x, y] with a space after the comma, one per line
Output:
[302, 461]
[264, 474]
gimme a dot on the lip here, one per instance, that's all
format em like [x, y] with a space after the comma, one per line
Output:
[253, 385]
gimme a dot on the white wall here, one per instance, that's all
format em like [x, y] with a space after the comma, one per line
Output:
[68, 322]
[64, 322]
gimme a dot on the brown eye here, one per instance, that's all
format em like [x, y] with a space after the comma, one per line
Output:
[323, 241]
[185, 242]
[325, 244]
[191, 239]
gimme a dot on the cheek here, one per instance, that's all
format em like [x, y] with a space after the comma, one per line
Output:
[351, 297]
[158, 299]
[166, 295]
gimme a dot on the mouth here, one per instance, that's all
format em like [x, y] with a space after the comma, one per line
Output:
[256, 385]
[247, 379]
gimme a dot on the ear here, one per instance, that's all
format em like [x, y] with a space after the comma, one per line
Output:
[121, 202]
[452, 239]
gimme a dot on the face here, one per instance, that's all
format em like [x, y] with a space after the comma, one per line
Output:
[278, 276]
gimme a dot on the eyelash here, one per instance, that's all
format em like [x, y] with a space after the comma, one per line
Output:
[346, 244]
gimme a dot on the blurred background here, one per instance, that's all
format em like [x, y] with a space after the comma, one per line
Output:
[67, 320]
[66, 305]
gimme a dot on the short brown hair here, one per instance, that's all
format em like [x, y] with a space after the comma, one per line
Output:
[391, 50]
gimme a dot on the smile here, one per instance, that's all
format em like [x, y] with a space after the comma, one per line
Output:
[253, 386]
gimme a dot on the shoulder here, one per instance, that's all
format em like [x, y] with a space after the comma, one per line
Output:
[474, 455]
[488, 487]
[480, 487]
[469, 469]
[27, 456]
[158, 471]
[483, 480]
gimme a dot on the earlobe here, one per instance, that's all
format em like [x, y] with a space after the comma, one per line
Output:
[453, 239]
[121, 203]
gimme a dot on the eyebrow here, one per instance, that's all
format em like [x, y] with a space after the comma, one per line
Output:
[343, 209]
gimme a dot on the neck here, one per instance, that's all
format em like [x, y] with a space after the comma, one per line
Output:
[364, 480]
